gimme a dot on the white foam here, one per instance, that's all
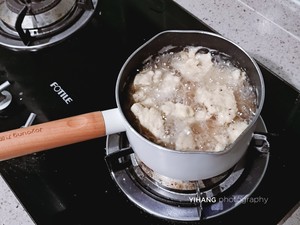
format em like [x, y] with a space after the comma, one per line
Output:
[193, 101]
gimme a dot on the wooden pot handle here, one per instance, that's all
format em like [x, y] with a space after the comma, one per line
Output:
[35, 138]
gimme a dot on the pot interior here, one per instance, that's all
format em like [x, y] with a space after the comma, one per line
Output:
[181, 39]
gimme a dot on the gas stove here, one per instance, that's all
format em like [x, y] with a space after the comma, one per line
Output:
[178, 200]
[73, 71]
[31, 25]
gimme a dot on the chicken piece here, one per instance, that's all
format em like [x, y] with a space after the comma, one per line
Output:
[235, 129]
[150, 118]
[220, 103]
[192, 66]
[177, 110]
[185, 140]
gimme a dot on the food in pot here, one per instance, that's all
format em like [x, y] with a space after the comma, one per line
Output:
[192, 98]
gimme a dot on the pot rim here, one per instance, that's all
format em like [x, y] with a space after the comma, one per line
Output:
[161, 148]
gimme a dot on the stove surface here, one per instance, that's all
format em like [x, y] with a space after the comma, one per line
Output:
[63, 185]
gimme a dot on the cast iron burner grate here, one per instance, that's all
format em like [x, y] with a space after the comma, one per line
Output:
[31, 25]
[171, 199]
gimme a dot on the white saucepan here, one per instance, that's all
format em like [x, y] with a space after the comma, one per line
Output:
[182, 165]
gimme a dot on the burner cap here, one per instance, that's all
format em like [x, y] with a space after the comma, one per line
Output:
[31, 25]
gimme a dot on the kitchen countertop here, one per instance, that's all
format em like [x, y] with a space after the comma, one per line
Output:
[268, 30]
[11, 210]
[275, 23]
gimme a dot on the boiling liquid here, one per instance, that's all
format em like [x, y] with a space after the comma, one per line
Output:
[192, 99]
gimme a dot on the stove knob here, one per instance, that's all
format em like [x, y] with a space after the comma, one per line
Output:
[5, 96]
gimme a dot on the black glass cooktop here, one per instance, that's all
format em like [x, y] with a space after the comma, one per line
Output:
[72, 184]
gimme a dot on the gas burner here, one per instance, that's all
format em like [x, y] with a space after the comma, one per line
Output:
[177, 200]
[150, 178]
[34, 24]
